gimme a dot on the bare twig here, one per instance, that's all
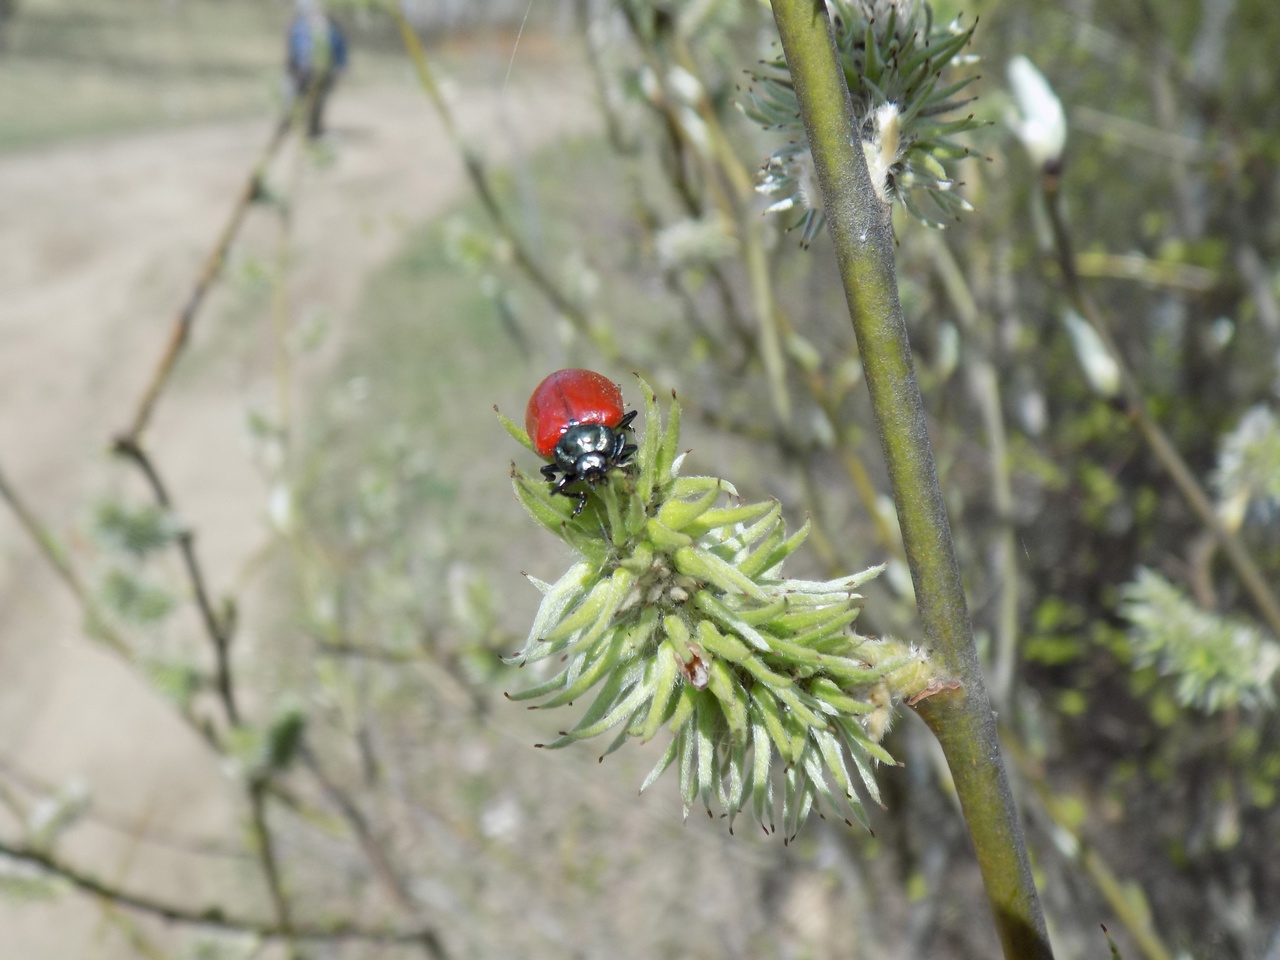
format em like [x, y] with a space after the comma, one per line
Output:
[359, 826]
[476, 173]
[1251, 578]
[1155, 273]
[215, 917]
[57, 558]
[219, 628]
[1116, 890]
[32, 785]
[181, 328]
[265, 844]
[118, 919]
[675, 279]
[97, 624]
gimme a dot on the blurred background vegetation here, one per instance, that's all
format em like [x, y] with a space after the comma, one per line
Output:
[376, 776]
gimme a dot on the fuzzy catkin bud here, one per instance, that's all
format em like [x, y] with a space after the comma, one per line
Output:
[898, 65]
[678, 617]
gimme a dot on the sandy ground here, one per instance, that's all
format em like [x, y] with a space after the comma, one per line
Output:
[99, 244]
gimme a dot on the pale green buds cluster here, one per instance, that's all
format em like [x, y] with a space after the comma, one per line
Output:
[895, 61]
[1216, 662]
[679, 618]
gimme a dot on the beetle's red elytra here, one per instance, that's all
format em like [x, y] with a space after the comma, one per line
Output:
[575, 418]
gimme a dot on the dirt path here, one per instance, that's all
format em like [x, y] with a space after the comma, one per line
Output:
[98, 245]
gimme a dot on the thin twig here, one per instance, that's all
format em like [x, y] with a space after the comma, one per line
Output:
[365, 651]
[181, 328]
[280, 310]
[213, 917]
[57, 557]
[97, 624]
[1254, 583]
[114, 917]
[359, 826]
[674, 278]
[732, 203]
[31, 784]
[476, 173]
[219, 629]
[740, 204]
[265, 844]
[1117, 891]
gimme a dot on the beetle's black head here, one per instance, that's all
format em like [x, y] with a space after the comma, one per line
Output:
[588, 451]
[585, 450]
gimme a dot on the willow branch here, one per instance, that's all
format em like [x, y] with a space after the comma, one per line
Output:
[33, 785]
[264, 845]
[959, 716]
[218, 628]
[180, 330]
[524, 257]
[57, 557]
[213, 917]
[1116, 890]
[1255, 584]
[98, 625]
[359, 825]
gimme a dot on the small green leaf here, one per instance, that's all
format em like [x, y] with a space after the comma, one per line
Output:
[719, 645]
[516, 431]
[661, 766]
[549, 512]
[687, 752]
[664, 538]
[728, 516]
[825, 691]
[733, 793]
[682, 488]
[703, 565]
[764, 709]
[596, 664]
[594, 612]
[761, 562]
[283, 739]
[733, 699]
[669, 449]
[762, 764]
[708, 761]
[686, 703]
[651, 476]
[677, 514]
[664, 685]
[136, 531]
[564, 595]
[729, 619]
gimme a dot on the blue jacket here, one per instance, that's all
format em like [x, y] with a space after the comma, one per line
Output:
[306, 55]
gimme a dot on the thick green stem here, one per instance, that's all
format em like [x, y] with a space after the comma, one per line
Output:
[959, 713]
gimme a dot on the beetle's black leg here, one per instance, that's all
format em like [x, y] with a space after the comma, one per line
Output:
[548, 471]
[582, 501]
[625, 422]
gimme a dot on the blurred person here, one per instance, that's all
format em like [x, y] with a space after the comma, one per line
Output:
[317, 55]
[7, 8]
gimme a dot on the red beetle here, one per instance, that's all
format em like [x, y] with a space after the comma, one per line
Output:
[575, 419]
